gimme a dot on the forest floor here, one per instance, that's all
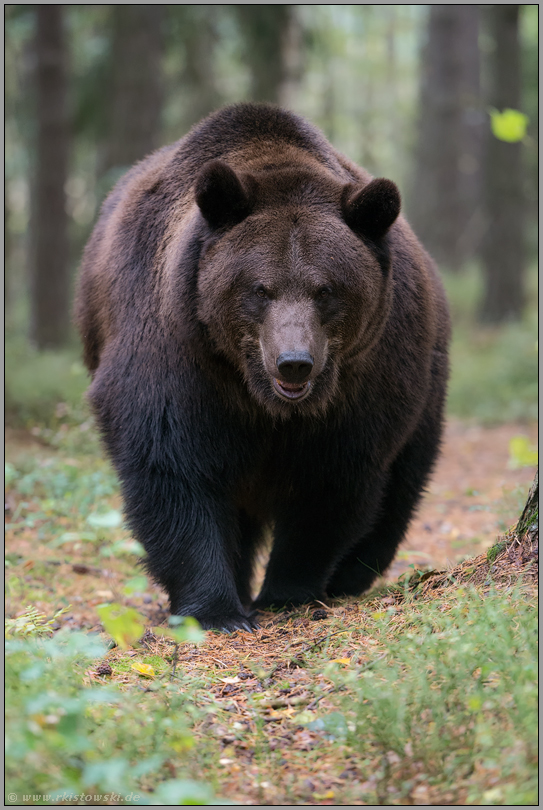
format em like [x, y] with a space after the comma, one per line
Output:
[282, 716]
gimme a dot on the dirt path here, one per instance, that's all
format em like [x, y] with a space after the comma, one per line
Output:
[473, 496]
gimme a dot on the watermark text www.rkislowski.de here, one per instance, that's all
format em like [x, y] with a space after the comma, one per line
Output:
[67, 796]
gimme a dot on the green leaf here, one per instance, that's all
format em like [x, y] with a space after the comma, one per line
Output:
[184, 792]
[10, 474]
[108, 520]
[182, 629]
[146, 766]
[124, 625]
[33, 673]
[124, 547]
[521, 454]
[474, 703]
[305, 717]
[107, 775]
[509, 125]
[135, 585]
[72, 537]
[74, 644]
[334, 724]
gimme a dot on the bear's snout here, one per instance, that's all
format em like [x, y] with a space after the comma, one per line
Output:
[294, 367]
[294, 348]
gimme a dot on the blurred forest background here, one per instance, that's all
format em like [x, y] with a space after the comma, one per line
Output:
[411, 92]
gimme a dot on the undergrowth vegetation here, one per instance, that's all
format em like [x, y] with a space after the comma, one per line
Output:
[428, 702]
[43, 388]
[68, 740]
[494, 374]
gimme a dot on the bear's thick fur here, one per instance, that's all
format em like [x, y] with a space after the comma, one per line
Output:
[268, 346]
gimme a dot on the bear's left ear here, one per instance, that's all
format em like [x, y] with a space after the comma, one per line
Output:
[221, 196]
[371, 210]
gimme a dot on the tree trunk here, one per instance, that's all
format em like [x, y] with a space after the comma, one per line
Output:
[502, 251]
[50, 275]
[444, 205]
[523, 546]
[272, 40]
[194, 29]
[292, 58]
[529, 520]
[135, 100]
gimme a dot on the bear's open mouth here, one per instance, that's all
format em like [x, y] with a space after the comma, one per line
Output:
[291, 391]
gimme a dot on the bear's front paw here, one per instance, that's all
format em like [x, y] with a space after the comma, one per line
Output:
[229, 624]
[269, 600]
[226, 623]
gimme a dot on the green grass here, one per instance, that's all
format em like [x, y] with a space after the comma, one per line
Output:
[454, 699]
[65, 737]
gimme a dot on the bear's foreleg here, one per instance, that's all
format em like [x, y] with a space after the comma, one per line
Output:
[173, 465]
[190, 539]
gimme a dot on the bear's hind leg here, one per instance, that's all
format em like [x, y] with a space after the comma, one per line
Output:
[372, 555]
[309, 535]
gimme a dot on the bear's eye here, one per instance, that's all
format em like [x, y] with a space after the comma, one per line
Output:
[261, 292]
[323, 293]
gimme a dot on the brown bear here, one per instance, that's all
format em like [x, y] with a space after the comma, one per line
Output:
[268, 346]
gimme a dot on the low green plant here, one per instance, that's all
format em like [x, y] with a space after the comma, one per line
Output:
[55, 480]
[495, 550]
[50, 490]
[453, 699]
[67, 742]
[31, 624]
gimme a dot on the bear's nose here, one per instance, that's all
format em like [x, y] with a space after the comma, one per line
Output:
[294, 367]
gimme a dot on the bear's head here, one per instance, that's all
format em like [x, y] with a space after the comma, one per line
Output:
[294, 278]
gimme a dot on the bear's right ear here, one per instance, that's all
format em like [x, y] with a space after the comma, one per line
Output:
[371, 211]
[221, 196]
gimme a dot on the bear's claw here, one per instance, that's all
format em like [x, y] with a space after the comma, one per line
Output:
[229, 624]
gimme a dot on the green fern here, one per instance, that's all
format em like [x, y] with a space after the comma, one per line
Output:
[31, 624]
